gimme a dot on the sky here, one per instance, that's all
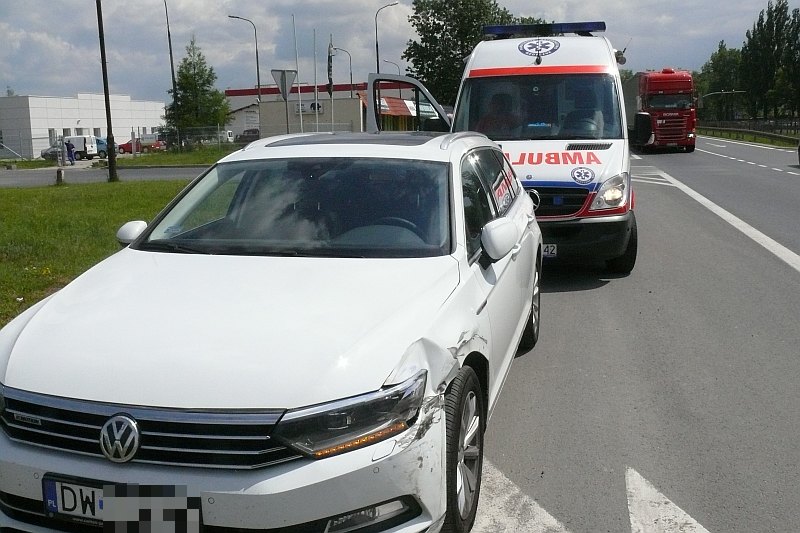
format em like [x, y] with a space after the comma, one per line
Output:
[51, 48]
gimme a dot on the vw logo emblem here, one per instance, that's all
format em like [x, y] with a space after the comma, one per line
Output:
[119, 438]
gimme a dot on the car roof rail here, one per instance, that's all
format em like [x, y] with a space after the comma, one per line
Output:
[508, 31]
[450, 138]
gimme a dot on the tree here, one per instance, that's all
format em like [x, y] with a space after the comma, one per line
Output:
[762, 53]
[448, 31]
[720, 74]
[791, 61]
[198, 103]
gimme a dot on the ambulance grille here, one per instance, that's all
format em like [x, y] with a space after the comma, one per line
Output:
[559, 201]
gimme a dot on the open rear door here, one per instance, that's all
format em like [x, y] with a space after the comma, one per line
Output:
[400, 103]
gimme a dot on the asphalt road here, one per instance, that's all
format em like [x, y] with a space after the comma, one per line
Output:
[685, 372]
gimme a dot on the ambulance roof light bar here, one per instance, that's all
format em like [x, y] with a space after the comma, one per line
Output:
[543, 30]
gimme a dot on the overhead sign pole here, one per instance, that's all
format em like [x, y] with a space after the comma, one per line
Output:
[284, 80]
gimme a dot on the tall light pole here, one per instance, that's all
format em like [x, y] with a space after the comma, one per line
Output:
[377, 53]
[174, 85]
[351, 67]
[112, 156]
[258, 70]
[399, 90]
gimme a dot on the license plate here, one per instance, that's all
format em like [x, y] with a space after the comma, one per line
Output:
[96, 503]
[73, 500]
[549, 250]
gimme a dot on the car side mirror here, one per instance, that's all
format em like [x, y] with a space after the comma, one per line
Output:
[499, 237]
[130, 231]
[642, 129]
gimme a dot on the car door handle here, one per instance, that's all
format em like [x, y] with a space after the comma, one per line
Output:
[516, 250]
[530, 218]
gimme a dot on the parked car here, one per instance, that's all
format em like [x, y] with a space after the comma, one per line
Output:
[155, 146]
[316, 331]
[248, 136]
[102, 147]
[51, 153]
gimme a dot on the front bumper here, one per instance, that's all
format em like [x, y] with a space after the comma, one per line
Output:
[299, 496]
[596, 238]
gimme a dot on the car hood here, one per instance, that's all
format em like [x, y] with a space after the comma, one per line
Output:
[201, 331]
[580, 163]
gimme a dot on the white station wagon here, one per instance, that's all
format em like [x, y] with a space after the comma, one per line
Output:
[310, 337]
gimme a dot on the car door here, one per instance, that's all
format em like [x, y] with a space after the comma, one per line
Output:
[508, 282]
[401, 103]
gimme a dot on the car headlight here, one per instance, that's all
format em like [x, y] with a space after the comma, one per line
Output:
[613, 193]
[337, 427]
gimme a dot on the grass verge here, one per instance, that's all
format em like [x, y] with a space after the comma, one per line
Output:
[50, 235]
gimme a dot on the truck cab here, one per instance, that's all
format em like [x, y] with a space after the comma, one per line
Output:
[550, 95]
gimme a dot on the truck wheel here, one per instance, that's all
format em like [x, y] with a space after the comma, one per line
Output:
[689, 149]
[78, 156]
[466, 422]
[624, 263]
[102, 154]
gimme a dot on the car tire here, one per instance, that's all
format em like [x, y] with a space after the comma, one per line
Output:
[624, 264]
[102, 154]
[145, 150]
[465, 414]
[530, 335]
[121, 150]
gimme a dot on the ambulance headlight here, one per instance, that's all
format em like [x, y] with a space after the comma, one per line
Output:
[613, 193]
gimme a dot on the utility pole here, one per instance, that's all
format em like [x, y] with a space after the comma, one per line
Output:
[112, 156]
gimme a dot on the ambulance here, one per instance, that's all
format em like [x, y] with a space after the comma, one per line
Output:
[550, 95]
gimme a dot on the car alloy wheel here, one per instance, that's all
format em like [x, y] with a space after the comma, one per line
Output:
[466, 421]
[530, 335]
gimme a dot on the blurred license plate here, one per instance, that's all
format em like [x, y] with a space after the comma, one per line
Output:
[96, 503]
[549, 250]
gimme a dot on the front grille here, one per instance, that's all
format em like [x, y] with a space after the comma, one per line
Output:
[671, 130]
[588, 147]
[207, 439]
[559, 201]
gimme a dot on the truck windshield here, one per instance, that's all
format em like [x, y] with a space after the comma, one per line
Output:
[542, 106]
[669, 101]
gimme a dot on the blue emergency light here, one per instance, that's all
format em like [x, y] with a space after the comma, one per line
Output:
[543, 30]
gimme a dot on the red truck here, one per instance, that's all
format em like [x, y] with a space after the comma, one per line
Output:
[669, 97]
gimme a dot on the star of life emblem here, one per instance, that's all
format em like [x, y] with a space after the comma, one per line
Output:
[539, 47]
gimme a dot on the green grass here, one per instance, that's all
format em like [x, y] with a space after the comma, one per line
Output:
[201, 155]
[50, 235]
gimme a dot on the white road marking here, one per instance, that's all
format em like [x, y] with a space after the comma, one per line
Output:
[743, 161]
[745, 143]
[652, 512]
[774, 247]
[504, 508]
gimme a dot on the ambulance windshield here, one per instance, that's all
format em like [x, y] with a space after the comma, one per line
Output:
[542, 106]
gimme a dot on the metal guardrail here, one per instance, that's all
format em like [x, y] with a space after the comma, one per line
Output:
[744, 134]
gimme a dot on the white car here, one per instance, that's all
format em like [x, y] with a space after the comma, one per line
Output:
[310, 337]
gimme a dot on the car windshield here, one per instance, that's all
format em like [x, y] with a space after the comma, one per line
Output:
[328, 207]
[541, 106]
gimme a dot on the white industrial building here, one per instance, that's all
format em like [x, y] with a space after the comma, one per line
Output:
[29, 124]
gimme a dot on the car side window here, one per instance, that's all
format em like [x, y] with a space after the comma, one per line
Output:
[478, 206]
[497, 178]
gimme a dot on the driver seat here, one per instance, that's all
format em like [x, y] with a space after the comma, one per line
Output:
[586, 120]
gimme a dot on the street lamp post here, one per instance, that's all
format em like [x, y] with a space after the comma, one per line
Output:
[351, 67]
[399, 90]
[377, 53]
[174, 84]
[258, 69]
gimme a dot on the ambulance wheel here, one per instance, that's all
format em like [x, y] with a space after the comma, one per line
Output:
[624, 263]
[466, 421]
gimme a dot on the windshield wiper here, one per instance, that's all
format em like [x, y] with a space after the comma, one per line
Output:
[162, 245]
